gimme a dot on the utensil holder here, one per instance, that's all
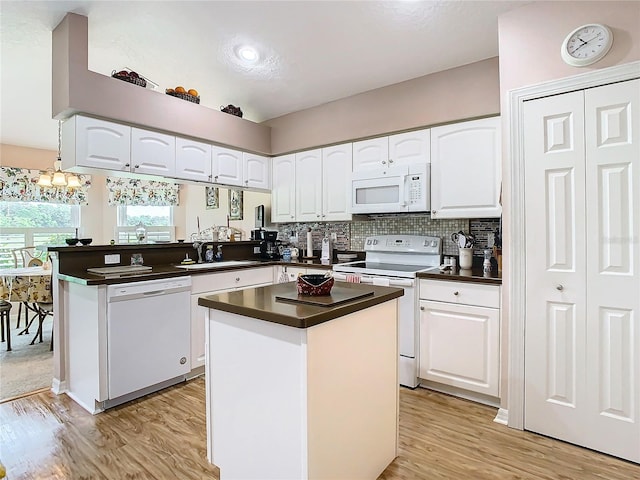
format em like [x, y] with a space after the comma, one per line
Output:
[466, 257]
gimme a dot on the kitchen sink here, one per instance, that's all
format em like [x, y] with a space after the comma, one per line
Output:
[206, 266]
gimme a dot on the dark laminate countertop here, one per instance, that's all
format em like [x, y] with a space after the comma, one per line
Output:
[261, 303]
[474, 275]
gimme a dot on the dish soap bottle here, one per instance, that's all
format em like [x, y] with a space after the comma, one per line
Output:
[208, 255]
[219, 254]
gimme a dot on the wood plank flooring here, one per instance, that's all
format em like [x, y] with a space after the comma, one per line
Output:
[162, 436]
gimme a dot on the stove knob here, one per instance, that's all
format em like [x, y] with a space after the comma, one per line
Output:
[375, 242]
[434, 244]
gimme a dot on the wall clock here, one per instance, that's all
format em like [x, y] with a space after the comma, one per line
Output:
[586, 44]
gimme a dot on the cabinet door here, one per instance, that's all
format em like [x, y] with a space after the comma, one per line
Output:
[198, 328]
[98, 144]
[465, 169]
[410, 148]
[226, 166]
[336, 183]
[283, 191]
[459, 346]
[309, 186]
[371, 154]
[193, 160]
[257, 173]
[153, 153]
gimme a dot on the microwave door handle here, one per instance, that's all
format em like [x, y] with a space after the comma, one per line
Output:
[403, 192]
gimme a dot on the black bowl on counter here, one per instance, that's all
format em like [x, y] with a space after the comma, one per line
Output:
[314, 285]
[86, 241]
[71, 241]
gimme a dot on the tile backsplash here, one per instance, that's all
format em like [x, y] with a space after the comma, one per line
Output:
[351, 235]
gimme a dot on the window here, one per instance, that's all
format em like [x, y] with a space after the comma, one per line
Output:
[37, 224]
[157, 220]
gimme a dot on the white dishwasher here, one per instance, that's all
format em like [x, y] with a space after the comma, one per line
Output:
[148, 335]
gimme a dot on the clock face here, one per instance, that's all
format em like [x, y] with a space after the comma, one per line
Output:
[586, 45]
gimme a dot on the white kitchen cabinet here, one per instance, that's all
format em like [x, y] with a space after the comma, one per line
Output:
[391, 151]
[227, 166]
[309, 186]
[213, 283]
[336, 183]
[95, 144]
[465, 169]
[257, 171]
[460, 335]
[410, 148]
[193, 160]
[153, 153]
[283, 190]
[372, 154]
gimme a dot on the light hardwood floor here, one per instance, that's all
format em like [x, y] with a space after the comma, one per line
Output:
[162, 436]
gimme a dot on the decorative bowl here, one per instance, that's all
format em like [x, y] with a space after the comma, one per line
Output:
[86, 241]
[315, 285]
[71, 241]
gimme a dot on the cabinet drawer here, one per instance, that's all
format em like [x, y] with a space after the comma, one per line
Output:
[460, 292]
[231, 279]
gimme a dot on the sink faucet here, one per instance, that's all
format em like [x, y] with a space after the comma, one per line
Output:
[198, 247]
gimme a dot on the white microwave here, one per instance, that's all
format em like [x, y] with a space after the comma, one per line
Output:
[393, 190]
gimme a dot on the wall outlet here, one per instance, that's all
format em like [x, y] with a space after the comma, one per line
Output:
[111, 259]
[491, 240]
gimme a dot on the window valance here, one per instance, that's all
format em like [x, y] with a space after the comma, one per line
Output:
[21, 185]
[133, 191]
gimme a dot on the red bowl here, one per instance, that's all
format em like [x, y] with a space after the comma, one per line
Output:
[314, 285]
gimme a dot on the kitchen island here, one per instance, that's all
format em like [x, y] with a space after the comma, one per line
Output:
[302, 391]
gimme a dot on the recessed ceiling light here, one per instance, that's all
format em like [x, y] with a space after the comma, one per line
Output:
[247, 54]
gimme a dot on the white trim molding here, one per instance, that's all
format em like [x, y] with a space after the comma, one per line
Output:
[502, 417]
[517, 236]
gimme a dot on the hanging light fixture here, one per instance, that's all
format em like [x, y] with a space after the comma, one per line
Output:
[59, 178]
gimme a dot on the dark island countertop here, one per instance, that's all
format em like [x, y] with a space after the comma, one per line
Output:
[261, 303]
[474, 275]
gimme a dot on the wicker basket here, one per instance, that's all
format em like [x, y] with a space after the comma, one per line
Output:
[184, 96]
[315, 285]
[141, 82]
[230, 109]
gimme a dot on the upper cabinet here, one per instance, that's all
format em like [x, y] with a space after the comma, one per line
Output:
[88, 142]
[227, 166]
[392, 151]
[153, 153]
[257, 171]
[193, 160]
[312, 186]
[465, 169]
[283, 189]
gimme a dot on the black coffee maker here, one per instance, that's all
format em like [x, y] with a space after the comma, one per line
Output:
[268, 244]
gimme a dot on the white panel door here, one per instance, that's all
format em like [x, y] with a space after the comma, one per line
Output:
[283, 191]
[153, 153]
[466, 169]
[410, 148]
[336, 183]
[193, 160]
[227, 166]
[371, 154]
[309, 186]
[99, 144]
[257, 171]
[582, 160]
[612, 120]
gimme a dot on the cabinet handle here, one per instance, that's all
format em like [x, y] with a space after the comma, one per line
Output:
[318, 215]
[323, 215]
[137, 166]
[433, 212]
[291, 217]
[390, 160]
[127, 165]
[559, 287]
[384, 162]
[216, 178]
[456, 293]
[237, 279]
[422, 308]
[246, 182]
[210, 177]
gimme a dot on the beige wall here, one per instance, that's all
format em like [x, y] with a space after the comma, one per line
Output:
[529, 41]
[460, 93]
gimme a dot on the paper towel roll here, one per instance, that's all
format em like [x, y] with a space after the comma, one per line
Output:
[309, 244]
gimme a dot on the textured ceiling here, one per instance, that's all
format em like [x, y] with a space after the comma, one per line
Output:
[312, 52]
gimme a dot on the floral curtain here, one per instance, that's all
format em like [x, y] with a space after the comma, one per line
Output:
[21, 185]
[133, 191]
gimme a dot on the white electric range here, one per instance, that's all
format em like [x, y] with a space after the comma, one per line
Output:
[394, 260]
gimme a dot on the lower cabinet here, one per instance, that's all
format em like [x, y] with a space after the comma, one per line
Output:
[460, 335]
[210, 284]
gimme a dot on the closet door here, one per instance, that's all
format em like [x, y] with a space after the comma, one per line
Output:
[582, 322]
[555, 324]
[612, 120]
